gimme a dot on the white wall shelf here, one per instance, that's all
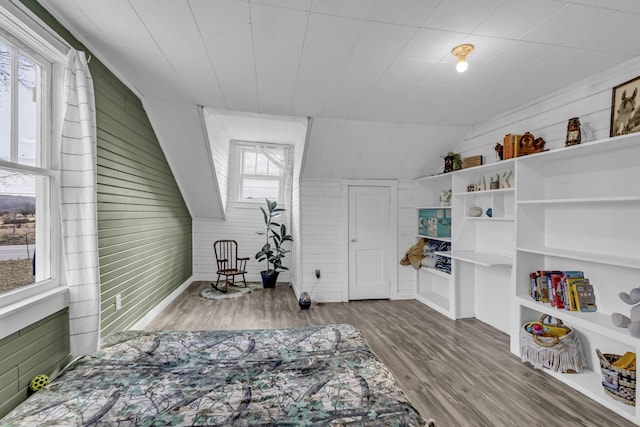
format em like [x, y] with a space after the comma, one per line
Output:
[582, 200]
[484, 259]
[476, 193]
[486, 218]
[598, 258]
[446, 254]
[441, 239]
[436, 272]
[597, 322]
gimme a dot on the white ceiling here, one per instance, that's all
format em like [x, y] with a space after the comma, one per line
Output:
[377, 76]
[371, 60]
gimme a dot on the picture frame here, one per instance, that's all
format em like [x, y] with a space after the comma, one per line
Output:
[625, 108]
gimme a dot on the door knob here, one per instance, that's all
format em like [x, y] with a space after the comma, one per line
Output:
[353, 239]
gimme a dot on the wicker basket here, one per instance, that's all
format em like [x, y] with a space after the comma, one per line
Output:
[560, 353]
[618, 383]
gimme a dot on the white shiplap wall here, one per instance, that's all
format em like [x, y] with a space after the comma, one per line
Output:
[219, 143]
[324, 231]
[296, 272]
[407, 230]
[242, 222]
[323, 228]
[589, 99]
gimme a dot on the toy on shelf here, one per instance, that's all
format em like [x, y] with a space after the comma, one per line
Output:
[537, 328]
[633, 322]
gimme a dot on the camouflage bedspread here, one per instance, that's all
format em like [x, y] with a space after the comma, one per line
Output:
[321, 375]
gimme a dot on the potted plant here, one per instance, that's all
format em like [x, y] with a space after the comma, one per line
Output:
[272, 251]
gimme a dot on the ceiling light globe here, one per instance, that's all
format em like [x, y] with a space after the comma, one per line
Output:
[462, 66]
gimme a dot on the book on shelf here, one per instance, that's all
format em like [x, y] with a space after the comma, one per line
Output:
[582, 290]
[510, 146]
[568, 290]
[542, 287]
[515, 141]
[555, 279]
[507, 147]
[569, 278]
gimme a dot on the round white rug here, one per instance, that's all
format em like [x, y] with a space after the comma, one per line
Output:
[233, 292]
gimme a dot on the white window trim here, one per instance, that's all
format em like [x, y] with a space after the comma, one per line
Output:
[237, 174]
[28, 304]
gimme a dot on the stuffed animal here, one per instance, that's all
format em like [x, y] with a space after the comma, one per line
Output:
[632, 323]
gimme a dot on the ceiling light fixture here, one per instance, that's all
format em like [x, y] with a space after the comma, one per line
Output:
[461, 52]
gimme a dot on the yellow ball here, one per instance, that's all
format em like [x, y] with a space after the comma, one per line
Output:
[38, 382]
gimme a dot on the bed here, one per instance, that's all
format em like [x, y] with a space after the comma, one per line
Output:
[319, 375]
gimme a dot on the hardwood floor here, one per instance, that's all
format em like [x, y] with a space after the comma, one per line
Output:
[460, 373]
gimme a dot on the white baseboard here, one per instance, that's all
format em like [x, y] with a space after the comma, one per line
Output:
[404, 295]
[142, 323]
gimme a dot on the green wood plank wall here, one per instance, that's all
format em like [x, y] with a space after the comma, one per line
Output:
[144, 228]
[144, 231]
[41, 348]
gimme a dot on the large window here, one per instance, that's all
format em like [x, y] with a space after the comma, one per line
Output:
[25, 169]
[263, 171]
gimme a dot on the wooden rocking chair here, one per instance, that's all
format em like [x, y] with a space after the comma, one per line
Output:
[229, 265]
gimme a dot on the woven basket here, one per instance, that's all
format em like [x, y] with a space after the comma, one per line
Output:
[618, 383]
[558, 353]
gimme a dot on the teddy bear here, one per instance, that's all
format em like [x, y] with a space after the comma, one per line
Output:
[632, 323]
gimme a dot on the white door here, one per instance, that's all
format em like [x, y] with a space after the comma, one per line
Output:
[369, 238]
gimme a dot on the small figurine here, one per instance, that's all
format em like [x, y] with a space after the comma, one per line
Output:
[505, 179]
[499, 149]
[482, 185]
[495, 182]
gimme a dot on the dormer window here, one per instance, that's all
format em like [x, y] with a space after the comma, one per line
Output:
[262, 171]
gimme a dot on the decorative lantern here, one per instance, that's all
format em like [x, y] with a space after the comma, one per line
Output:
[573, 132]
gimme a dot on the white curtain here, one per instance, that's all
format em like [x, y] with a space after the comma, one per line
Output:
[78, 197]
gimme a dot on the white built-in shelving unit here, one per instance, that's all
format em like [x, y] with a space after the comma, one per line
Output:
[434, 286]
[574, 208]
[578, 208]
[482, 247]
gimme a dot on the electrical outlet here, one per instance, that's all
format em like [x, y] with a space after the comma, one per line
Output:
[317, 274]
[118, 302]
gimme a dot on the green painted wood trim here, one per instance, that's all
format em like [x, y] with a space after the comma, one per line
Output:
[41, 348]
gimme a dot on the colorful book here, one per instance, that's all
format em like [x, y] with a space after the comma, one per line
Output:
[543, 288]
[585, 297]
[571, 286]
[556, 278]
[533, 290]
[571, 277]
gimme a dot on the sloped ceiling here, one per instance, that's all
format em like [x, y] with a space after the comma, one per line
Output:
[356, 65]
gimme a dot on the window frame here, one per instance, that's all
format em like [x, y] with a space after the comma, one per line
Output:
[24, 32]
[239, 175]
